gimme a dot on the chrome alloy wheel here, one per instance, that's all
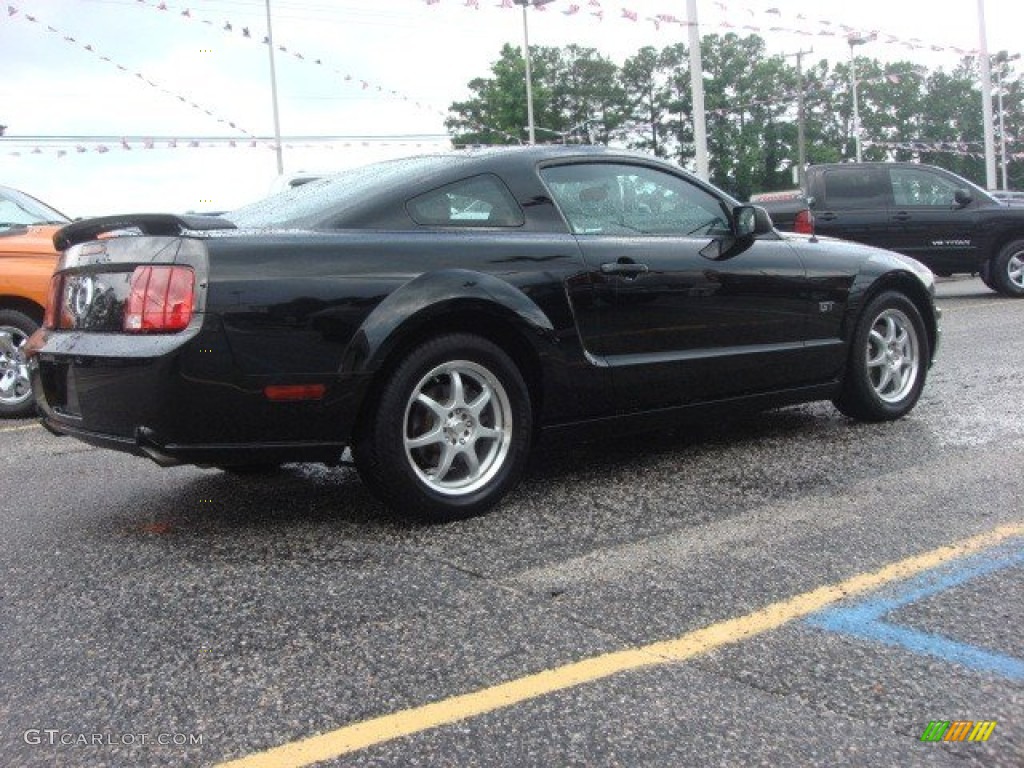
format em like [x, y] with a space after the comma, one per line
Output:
[15, 385]
[894, 356]
[1015, 269]
[457, 428]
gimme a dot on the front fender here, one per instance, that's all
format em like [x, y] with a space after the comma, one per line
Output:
[433, 295]
[911, 278]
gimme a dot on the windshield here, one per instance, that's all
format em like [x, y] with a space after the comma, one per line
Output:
[318, 202]
[20, 210]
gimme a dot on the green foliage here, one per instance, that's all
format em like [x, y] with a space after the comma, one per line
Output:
[906, 112]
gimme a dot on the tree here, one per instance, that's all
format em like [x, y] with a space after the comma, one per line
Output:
[675, 61]
[746, 95]
[497, 111]
[751, 101]
[951, 116]
[586, 91]
[645, 81]
[572, 87]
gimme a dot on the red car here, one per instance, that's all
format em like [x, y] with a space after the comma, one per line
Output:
[27, 260]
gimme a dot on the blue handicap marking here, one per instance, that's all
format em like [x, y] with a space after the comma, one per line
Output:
[865, 619]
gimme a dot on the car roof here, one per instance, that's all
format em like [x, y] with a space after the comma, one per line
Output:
[538, 153]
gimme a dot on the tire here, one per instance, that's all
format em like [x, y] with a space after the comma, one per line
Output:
[450, 433]
[888, 361]
[1006, 270]
[16, 399]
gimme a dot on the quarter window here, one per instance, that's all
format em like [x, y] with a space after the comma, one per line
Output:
[480, 201]
[615, 199]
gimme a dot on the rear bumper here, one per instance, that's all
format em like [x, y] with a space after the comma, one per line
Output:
[180, 400]
[148, 444]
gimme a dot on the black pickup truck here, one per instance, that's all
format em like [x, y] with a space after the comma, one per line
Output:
[935, 216]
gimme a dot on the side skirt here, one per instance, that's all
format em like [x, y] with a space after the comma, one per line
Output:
[652, 421]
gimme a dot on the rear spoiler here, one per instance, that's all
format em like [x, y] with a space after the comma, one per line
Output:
[148, 223]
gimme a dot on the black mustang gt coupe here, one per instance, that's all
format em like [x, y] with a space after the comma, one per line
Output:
[437, 314]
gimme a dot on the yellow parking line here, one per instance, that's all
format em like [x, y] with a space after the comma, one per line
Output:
[19, 429]
[352, 738]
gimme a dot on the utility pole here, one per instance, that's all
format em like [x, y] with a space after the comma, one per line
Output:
[801, 139]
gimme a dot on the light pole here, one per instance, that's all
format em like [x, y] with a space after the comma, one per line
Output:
[700, 130]
[854, 41]
[986, 100]
[526, 57]
[1002, 59]
[273, 95]
[801, 139]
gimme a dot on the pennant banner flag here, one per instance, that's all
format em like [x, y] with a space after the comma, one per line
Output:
[14, 12]
[62, 148]
[775, 20]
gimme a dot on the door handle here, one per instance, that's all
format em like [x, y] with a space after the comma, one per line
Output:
[625, 268]
[825, 216]
[902, 216]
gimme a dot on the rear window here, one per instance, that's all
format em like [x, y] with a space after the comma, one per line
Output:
[318, 202]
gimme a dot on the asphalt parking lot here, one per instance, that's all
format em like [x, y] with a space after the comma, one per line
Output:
[792, 589]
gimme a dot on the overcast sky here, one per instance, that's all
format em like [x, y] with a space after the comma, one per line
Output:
[387, 71]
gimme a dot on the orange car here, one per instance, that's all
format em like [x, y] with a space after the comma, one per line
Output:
[27, 259]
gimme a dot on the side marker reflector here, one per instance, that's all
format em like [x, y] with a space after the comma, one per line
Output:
[283, 393]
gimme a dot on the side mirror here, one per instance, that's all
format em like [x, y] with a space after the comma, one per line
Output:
[744, 218]
[962, 198]
[750, 221]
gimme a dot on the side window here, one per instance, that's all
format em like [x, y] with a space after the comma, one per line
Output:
[479, 201]
[617, 199]
[853, 188]
[911, 186]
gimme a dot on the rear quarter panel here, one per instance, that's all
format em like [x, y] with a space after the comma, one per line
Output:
[306, 306]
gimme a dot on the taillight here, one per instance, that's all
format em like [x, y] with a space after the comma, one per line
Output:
[159, 299]
[804, 222]
[53, 303]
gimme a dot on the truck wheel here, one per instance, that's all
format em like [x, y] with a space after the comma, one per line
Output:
[1006, 270]
[16, 398]
[888, 361]
[450, 433]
